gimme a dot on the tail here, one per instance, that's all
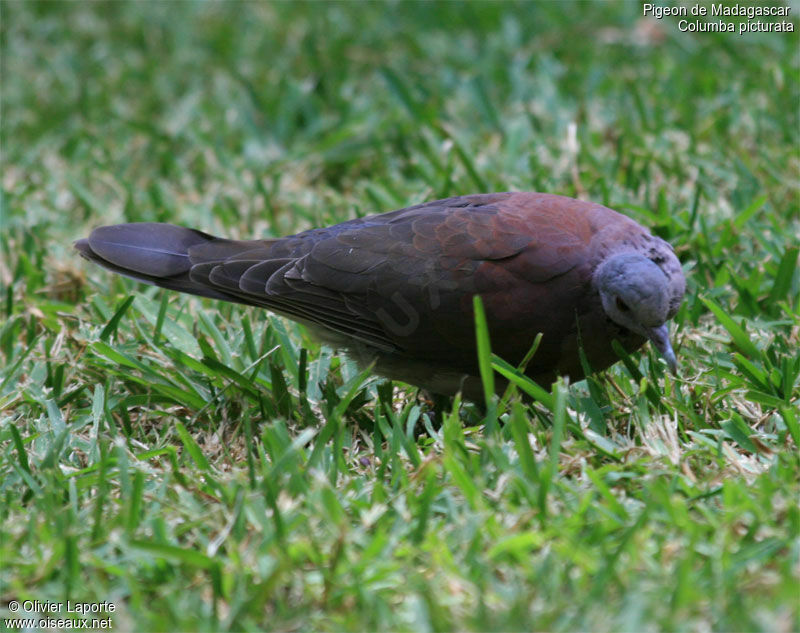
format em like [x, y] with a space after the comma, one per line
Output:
[264, 273]
[163, 255]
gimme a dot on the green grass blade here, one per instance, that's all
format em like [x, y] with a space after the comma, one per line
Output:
[739, 336]
[484, 350]
[195, 452]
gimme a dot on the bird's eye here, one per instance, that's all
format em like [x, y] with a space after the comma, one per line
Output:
[622, 306]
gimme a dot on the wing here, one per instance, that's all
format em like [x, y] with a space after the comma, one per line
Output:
[413, 272]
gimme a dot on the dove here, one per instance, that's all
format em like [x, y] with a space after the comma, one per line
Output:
[396, 289]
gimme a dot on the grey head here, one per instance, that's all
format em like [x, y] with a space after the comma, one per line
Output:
[638, 295]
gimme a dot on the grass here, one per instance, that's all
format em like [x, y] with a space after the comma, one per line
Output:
[205, 466]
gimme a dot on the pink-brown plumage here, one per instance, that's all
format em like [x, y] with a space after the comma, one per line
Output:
[397, 287]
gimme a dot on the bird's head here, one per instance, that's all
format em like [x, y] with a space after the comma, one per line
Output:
[639, 296]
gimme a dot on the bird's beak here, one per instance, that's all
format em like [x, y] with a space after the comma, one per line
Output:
[659, 336]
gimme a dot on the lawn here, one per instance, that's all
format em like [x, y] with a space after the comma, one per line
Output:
[203, 466]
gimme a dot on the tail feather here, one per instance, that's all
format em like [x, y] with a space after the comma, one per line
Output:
[156, 250]
[154, 253]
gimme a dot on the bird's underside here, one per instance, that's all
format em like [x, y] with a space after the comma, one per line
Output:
[397, 288]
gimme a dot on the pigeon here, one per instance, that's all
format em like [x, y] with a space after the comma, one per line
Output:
[396, 289]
